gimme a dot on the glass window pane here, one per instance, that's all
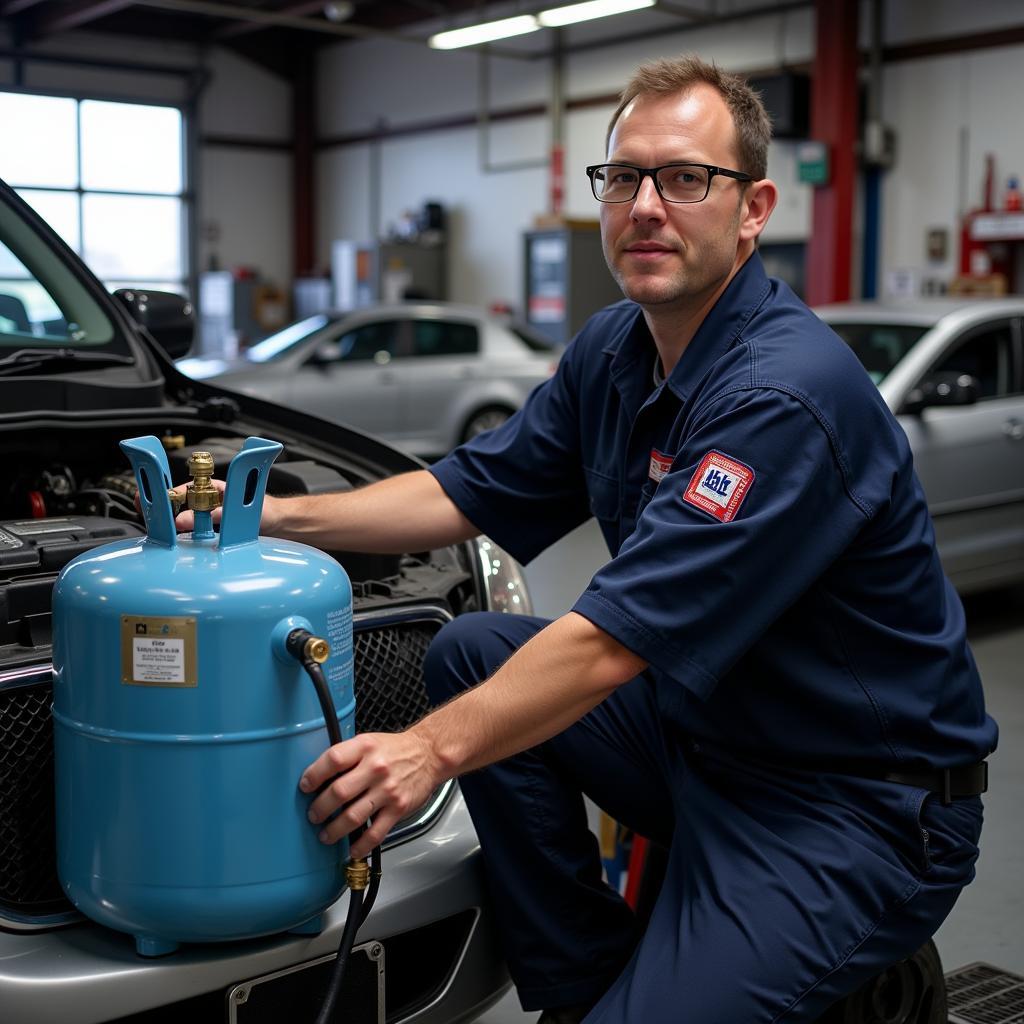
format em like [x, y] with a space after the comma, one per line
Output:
[26, 307]
[40, 140]
[986, 356]
[444, 338]
[132, 237]
[365, 342]
[130, 147]
[59, 210]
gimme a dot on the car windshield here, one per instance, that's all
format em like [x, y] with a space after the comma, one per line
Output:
[879, 346]
[43, 304]
[279, 344]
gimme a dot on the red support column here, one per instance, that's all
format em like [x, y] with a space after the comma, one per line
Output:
[834, 122]
[303, 156]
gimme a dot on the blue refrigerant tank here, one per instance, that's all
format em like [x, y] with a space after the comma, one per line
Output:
[182, 725]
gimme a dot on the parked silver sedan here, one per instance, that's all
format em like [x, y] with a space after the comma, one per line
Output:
[424, 376]
[953, 372]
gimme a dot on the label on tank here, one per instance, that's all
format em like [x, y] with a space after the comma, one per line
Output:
[158, 651]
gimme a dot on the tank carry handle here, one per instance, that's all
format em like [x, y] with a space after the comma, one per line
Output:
[244, 488]
[153, 476]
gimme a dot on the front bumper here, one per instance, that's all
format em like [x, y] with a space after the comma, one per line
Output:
[87, 974]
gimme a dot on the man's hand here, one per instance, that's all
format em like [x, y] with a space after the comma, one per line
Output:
[380, 775]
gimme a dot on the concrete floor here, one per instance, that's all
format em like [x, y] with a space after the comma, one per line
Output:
[986, 923]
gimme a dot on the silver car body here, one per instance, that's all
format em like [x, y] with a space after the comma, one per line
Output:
[76, 378]
[391, 370]
[969, 457]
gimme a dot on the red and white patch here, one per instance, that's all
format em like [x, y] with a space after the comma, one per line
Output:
[719, 486]
[660, 466]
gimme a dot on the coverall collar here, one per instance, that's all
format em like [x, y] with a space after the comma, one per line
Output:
[632, 348]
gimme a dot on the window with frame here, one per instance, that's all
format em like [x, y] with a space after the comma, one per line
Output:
[986, 355]
[373, 341]
[108, 177]
[444, 338]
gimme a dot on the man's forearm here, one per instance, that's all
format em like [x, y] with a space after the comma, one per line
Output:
[550, 682]
[410, 512]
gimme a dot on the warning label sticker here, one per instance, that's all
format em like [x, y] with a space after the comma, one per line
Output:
[158, 651]
[158, 661]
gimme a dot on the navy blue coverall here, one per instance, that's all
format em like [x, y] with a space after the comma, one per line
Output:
[774, 562]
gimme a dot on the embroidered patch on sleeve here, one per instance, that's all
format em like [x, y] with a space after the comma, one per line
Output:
[659, 466]
[719, 486]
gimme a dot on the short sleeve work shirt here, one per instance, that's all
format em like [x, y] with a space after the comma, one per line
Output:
[772, 554]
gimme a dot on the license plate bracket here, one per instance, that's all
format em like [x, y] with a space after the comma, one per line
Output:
[296, 993]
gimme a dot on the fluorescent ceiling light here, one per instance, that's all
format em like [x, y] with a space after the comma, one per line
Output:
[485, 33]
[558, 16]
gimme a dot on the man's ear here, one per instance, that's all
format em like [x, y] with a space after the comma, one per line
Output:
[758, 203]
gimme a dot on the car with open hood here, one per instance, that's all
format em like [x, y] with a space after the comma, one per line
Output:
[80, 370]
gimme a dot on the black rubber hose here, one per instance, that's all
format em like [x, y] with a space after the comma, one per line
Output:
[348, 938]
[358, 907]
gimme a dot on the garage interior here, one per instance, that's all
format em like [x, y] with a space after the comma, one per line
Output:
[331, 157]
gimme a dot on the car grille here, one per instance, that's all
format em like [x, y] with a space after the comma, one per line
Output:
[389, 654]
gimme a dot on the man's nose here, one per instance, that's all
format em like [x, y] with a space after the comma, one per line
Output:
[648, 204]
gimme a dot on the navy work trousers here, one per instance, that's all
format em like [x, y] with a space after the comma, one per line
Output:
[784, 890]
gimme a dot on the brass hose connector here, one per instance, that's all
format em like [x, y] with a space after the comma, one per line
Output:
[200, 495]
[316, 649]
[357, 874]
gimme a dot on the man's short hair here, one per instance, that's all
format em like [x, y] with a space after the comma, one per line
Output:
[752, 123]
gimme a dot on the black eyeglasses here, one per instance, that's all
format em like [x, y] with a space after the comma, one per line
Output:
[676, 183]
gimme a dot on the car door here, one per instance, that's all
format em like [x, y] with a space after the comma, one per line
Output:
[348, 378]
[436, 362]
[970, 458]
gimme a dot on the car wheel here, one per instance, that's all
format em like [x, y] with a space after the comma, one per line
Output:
[484, 419]
[910, 992]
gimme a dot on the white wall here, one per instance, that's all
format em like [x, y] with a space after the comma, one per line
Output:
[245, 195]
[935, 105]
[360, 87]
[949, 112]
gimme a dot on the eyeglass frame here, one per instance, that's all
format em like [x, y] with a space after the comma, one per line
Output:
[652, 173]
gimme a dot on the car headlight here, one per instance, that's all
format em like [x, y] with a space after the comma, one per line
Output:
[504, 584]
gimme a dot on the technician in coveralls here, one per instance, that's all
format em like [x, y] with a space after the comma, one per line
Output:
[770, 675]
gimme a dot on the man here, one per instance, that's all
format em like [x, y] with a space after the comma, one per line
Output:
[770, 675]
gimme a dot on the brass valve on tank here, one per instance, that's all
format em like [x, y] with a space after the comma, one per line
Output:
[200, 495]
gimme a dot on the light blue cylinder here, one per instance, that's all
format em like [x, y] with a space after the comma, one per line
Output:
[181, 729]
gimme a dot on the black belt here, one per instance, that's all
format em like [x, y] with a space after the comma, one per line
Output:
[950, 783]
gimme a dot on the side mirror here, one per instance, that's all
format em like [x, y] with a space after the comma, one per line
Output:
[170, 318]
[324, 354]
[942, 390]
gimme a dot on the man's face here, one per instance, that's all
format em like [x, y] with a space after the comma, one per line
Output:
[663, 254]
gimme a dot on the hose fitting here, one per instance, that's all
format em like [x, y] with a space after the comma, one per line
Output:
[357, 874]
[304, 646]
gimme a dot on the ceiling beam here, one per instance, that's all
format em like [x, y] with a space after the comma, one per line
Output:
[17, 6]
[242, 28]
[258, 16]
[685, 11]
[343, 29]
[68, 16]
